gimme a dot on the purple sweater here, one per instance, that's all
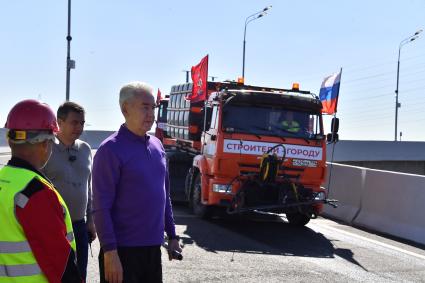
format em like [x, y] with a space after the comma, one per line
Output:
[131, 199]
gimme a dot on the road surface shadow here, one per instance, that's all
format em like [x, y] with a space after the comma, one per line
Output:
[258, 234]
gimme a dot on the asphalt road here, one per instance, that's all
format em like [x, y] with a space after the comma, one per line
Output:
[267, 249]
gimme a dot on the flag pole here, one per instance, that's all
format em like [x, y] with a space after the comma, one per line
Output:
[332, 157]
[333, 141]
[325, 95]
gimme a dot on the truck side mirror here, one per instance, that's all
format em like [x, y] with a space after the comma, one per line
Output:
[335, 125]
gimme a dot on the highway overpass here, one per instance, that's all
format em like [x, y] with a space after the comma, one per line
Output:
[384, 201]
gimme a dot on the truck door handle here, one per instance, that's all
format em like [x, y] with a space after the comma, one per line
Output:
[213, 137]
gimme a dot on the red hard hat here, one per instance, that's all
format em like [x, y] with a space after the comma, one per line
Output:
[31, 115]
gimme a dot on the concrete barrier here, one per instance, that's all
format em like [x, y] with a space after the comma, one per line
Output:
[383, 201]
[94, 138]
[3, 141]
[393, 203]
[346, 185]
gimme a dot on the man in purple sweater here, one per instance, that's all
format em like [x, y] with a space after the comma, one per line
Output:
[132, 206]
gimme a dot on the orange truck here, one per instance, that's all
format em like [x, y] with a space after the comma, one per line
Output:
[247, 148]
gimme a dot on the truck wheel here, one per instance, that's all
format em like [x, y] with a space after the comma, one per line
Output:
[198, 208]
[297, 219]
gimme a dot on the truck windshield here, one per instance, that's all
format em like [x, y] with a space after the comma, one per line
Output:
[162, 112]
[270, 121]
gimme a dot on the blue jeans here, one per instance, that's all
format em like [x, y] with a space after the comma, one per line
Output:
[82, 241]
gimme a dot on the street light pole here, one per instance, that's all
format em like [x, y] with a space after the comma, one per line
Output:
[187, 75]
[247, 21]
[397, 104]
[70, 64]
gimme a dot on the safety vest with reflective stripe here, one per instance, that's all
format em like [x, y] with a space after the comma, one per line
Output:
[291, 126]
[17, 262]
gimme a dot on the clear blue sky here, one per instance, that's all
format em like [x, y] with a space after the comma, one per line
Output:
[115, 42]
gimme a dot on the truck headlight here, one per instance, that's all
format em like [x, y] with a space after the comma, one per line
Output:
[220, 188]
[320, 196]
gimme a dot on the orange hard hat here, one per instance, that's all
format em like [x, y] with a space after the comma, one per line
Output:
[31, 120]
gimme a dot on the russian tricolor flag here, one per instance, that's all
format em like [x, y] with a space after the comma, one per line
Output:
[329, 92]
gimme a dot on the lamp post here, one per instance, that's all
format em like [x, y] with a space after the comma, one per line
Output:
[70, 64]
[247, 21]
[397, 104]
[187, 75]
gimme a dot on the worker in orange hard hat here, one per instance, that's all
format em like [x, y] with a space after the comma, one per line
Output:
[37, 241]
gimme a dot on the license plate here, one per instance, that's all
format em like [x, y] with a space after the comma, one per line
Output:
[304, 163]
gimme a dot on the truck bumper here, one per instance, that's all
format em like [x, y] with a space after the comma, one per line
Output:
[277, 198]
[312, 208]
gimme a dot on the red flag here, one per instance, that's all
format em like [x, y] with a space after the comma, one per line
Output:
[199, 78]
[158, 97]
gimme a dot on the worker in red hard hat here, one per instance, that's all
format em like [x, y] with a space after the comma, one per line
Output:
[36, 238]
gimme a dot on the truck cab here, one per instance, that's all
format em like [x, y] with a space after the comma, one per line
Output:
[258, 149]
[161, 120]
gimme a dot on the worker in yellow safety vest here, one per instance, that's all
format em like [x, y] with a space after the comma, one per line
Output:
[289, 124]
[36, 239]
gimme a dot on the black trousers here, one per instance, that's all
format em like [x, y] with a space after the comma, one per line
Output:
[140, 264]
[82, 242]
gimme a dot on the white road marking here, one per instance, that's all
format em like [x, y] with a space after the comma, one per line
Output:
[369, 240]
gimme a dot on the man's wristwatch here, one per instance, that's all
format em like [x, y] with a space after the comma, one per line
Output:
[175, 237]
